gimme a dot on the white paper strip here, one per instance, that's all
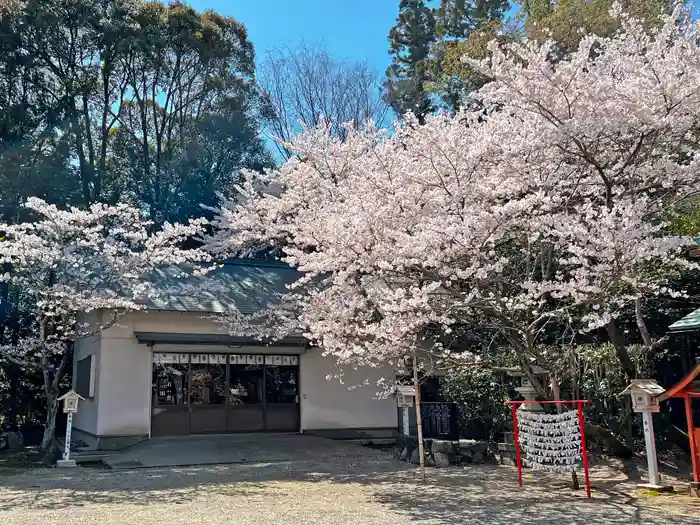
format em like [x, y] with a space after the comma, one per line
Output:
[550, 442]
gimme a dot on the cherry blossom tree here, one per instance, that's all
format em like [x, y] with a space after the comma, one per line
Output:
[71, 262]
[540, 210]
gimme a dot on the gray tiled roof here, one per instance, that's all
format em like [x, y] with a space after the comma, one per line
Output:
[245, 285]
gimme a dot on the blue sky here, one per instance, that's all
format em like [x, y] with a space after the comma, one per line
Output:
[355, 29]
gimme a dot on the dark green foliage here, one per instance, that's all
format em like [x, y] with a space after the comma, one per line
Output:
[22, 398]
[125, 99]
[480, 395]
[458, 18]
[410, 40]
[427, 44]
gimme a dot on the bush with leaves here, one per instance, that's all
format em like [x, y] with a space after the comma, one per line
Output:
[479, 395]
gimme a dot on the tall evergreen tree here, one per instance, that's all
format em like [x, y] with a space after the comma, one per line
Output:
[427, 44]
[463, 27]
[458, 18]
[410, 40]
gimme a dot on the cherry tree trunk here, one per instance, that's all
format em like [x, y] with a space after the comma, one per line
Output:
[419, 420]
[47, 440]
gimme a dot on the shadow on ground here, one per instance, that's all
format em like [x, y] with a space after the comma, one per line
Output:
[478, 494]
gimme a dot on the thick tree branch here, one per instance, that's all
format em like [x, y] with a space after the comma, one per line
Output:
[620, 345]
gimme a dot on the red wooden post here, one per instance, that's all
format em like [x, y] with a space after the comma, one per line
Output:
[516, 438]
[583, 448]
[691, 436]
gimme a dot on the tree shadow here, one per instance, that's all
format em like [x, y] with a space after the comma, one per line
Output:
[473, 494]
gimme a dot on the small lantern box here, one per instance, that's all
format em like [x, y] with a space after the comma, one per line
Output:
[405, 395]
[70, 401]
[644, 394]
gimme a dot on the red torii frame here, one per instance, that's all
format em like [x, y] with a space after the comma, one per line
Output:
[687, 391]
[579, 403]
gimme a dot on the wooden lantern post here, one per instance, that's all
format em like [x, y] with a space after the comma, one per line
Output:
[70, 407]
[644, 394]
[404, 399]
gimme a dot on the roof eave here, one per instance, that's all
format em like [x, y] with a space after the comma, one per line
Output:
[213, 339]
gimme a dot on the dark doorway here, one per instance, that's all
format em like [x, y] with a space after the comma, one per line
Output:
[246, 398]
[207, 395]
[282, 398]
[201, 393]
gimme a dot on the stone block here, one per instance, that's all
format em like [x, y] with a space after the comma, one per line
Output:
[415, 457]
[450, 448]
[442, 460]
[429, 461]
[694, 490]
[478, 458]
[405, 454]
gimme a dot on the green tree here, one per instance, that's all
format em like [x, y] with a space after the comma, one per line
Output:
[567, 21]
[190, 120]
[127, 91]
[410, 43]
[427, 44]
[451, 78]
[34, 158]
[459, 18]
[464, 29]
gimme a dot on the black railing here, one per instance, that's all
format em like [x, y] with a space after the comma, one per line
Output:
[440, 420]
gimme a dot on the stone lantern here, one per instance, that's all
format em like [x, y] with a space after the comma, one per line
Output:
[405, 396]
[527, 390]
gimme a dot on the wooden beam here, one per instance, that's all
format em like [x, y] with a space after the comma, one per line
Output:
[694, 453]
[678, 390]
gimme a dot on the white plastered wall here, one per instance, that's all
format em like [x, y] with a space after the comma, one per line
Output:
[329, 404]
[87, 416]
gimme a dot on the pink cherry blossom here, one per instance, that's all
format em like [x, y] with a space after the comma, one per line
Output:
[67, 263]
[545, 203]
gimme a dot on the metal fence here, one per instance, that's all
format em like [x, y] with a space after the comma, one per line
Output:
[440, 420]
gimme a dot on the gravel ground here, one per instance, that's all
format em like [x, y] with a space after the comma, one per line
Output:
[379, 492]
